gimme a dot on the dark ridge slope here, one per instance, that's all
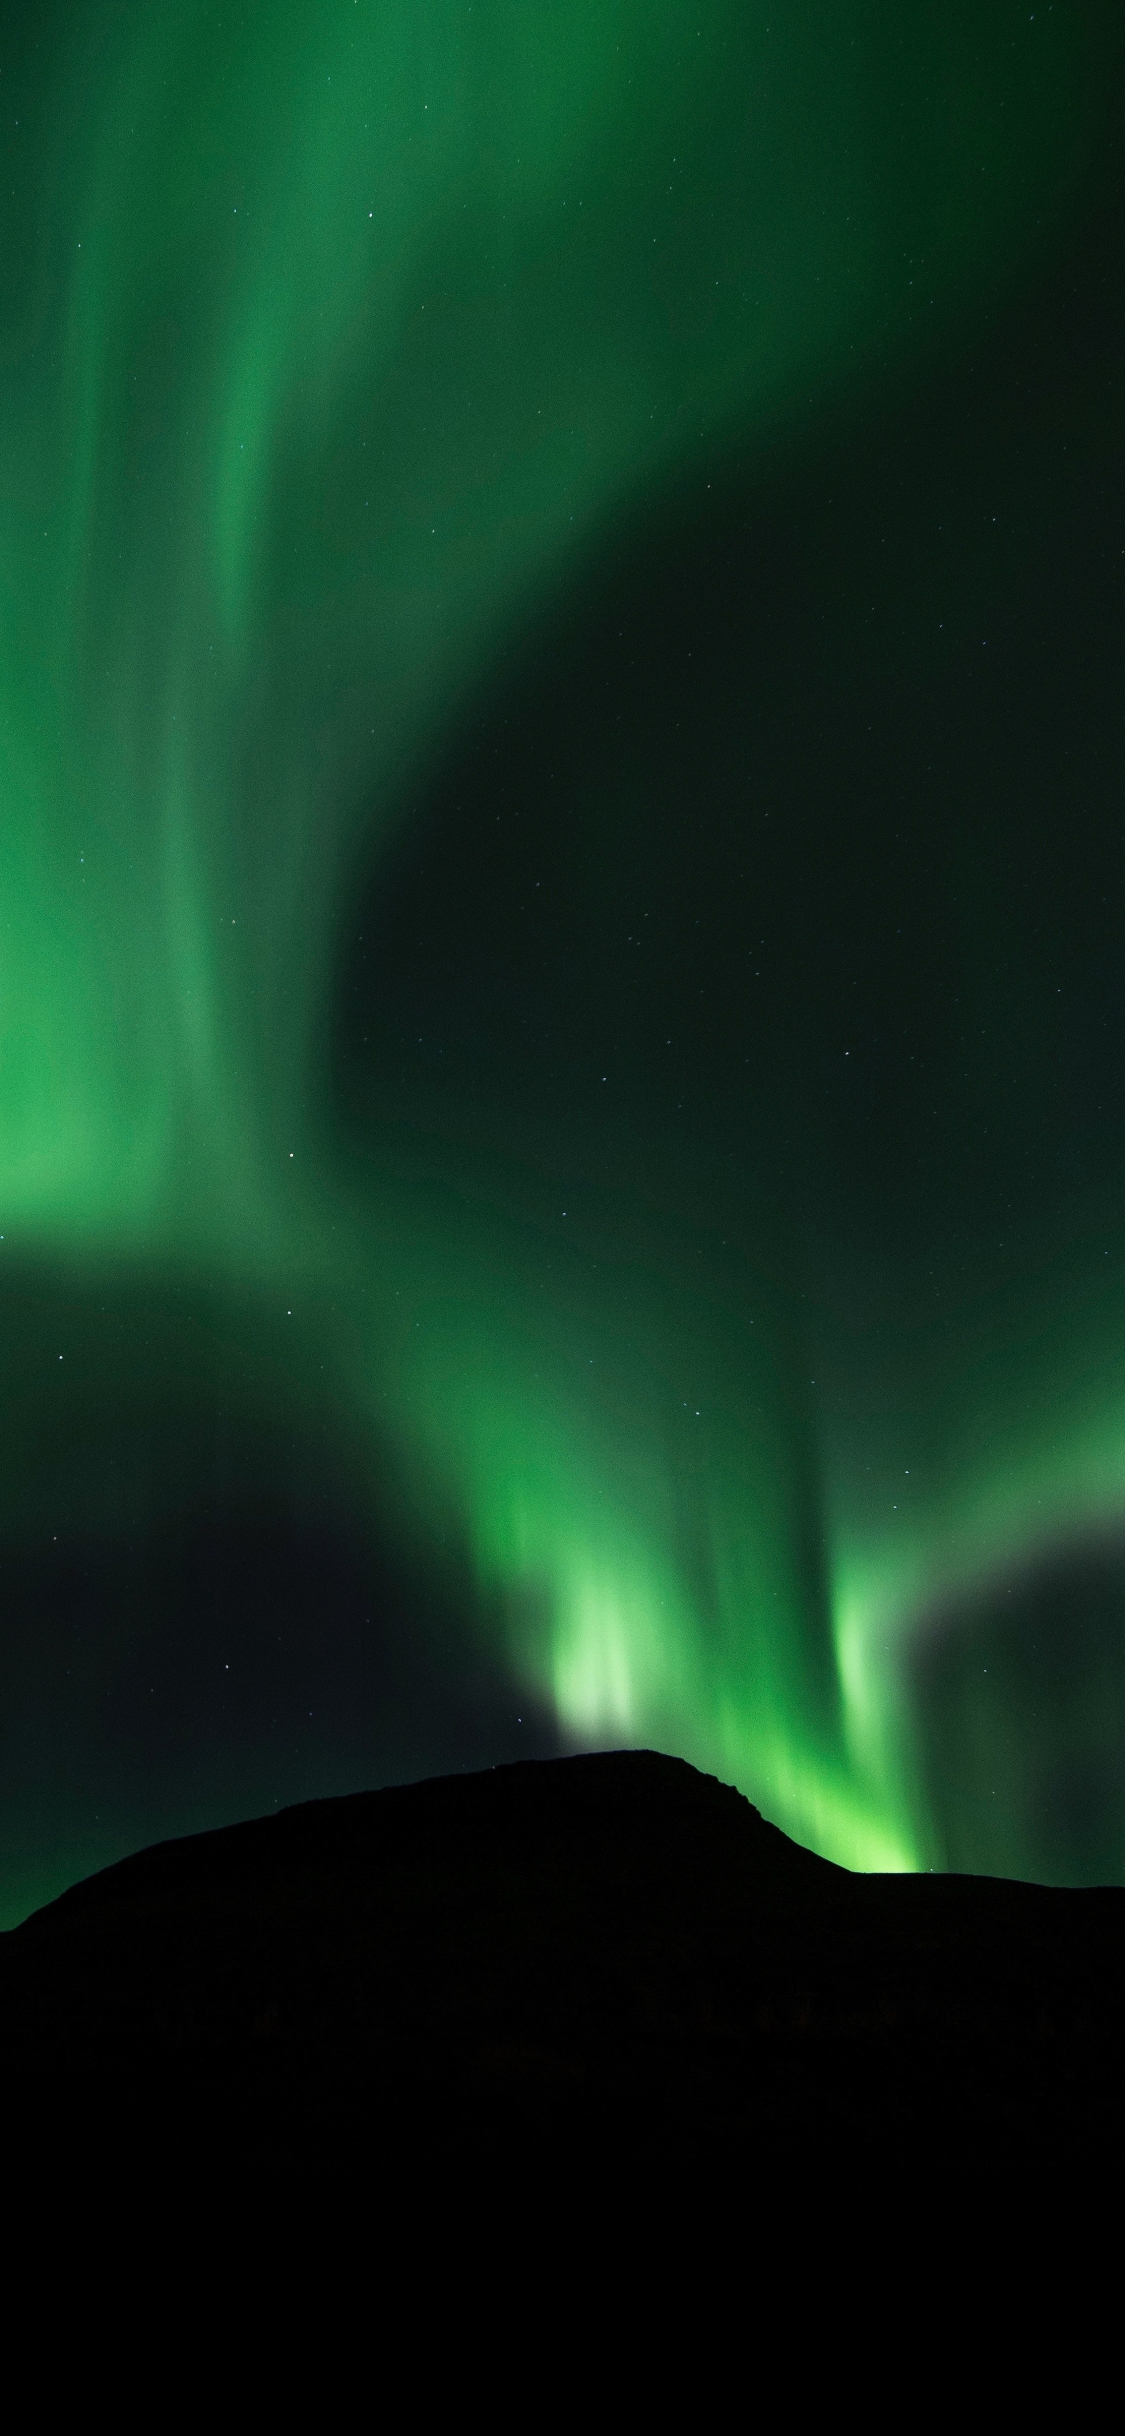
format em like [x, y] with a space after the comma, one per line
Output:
[597, 1964]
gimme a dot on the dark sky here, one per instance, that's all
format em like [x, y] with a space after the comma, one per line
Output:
[563, 1028]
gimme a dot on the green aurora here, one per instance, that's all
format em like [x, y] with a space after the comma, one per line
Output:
[367, 374]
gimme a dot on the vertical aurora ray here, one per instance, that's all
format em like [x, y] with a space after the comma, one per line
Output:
[340, 346]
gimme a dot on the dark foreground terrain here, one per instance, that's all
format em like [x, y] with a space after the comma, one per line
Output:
[559, 1974]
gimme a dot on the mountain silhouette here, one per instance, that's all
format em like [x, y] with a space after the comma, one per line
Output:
[545, 1974]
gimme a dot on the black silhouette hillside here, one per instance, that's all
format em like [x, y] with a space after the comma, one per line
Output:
[569, 1968]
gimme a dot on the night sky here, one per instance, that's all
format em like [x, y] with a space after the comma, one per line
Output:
[562, 912]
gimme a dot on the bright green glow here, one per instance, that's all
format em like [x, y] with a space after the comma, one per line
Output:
[570, 1520]
[344, 327]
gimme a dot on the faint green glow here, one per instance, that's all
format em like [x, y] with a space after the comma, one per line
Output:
[342, 329]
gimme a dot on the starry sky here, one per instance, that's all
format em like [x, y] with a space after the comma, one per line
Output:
[562, 952]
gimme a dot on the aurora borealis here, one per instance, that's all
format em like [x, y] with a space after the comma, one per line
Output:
[562, 968]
